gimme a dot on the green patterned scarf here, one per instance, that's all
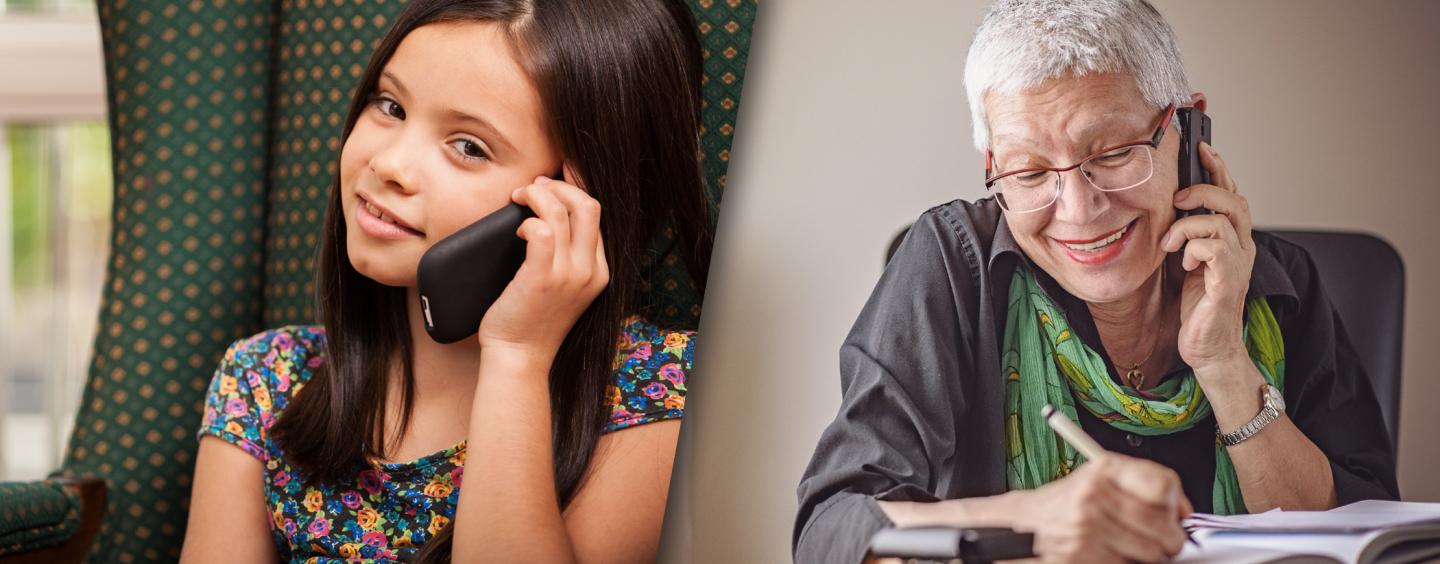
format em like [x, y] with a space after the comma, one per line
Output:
[1044, 362]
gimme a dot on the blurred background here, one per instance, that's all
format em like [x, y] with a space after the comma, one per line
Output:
[856, 122]
[54, 222]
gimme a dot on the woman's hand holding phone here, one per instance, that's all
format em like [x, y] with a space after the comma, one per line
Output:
[1218, 255]
[564, 270]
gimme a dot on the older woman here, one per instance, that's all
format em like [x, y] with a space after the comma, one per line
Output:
[1203, 354]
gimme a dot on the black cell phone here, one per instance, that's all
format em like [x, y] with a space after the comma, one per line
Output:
[462, 275]
[1194, 128]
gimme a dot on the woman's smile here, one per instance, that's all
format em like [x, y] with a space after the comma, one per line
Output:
[1099, 250]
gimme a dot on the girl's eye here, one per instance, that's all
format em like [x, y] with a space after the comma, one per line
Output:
[469, 150]
[390, 108]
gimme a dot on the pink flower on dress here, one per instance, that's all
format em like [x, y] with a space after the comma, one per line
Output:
[235, 407]
[673, 373]
[371, 480]
[655, 390]
[319, 527]
[281, 479]
[456, 474]
[642, 351]
[350, 499]
[376, 539]
[249, 446]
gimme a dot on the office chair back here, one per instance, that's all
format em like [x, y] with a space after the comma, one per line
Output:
[1365, 279]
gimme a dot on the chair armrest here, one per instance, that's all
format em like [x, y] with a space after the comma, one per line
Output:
[978, 545]
[49, 521]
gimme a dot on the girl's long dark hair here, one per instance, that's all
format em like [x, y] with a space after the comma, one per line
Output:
[619, 82]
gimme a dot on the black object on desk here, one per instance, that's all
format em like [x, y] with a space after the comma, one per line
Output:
[973, 546]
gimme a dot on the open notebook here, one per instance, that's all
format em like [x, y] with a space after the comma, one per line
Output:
[1382, 532]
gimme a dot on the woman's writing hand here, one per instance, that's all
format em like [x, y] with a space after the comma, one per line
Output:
[563, 272]
[1219, 254]
[1111, 509]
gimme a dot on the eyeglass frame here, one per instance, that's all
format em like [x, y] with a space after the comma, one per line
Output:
[1153, 143]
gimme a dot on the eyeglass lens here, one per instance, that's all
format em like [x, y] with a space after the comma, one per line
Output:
[1121, 169]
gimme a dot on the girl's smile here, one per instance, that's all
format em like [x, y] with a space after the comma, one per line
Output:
[376, 222]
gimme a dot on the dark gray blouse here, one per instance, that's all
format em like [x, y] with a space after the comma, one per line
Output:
[922, 409]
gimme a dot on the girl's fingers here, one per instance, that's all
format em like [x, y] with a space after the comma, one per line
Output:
[539, 245]
[584, 224]
[572, 219]
[542, 200]
[602, 266]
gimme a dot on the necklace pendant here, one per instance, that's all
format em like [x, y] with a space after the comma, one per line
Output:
[1135, 378]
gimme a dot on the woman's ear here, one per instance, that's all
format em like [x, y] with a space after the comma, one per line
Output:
[1197, 100]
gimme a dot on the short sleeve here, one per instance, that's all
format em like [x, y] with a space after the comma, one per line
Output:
[650, 369]
[254, 381]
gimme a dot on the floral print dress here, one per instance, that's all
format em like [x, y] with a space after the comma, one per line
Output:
[389, 510]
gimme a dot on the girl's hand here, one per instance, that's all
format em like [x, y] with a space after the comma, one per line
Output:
[563, 272]
[1219, 255]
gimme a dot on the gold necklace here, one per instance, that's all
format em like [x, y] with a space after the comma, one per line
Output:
[1133, 376]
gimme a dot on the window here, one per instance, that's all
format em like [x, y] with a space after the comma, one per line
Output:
[55, 190]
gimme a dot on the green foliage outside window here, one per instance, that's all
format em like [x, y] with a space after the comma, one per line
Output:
[37, 202]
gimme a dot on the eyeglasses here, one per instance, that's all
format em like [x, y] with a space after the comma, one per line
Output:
[1117, 168]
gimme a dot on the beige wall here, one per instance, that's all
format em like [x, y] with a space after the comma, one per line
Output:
[855, 121]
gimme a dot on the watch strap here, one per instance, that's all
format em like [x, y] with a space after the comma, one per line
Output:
[1267, 414]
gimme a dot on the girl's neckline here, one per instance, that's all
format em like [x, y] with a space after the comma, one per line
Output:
[452, 451]
[431, 459]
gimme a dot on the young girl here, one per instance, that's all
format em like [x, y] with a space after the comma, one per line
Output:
[349, 440]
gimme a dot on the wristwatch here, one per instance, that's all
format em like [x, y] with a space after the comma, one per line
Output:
[1272, 405]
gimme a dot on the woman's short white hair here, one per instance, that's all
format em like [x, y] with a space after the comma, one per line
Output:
[1023, 43]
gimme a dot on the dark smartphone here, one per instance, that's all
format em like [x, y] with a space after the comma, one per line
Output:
[1194, 128]
[462, 275]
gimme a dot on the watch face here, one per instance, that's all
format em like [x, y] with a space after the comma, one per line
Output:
[1275, 398]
